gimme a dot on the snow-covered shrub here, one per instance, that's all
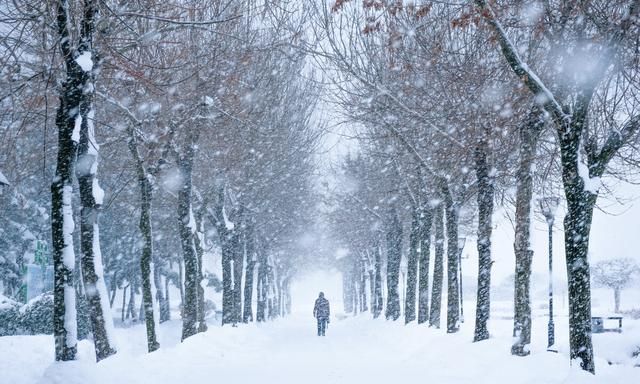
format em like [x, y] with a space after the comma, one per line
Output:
[36, 317]
[9, 316]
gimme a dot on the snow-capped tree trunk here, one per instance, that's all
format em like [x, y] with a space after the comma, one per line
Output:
[412, 267]
[146, 231]
[91, 196]
[68, 121]
[187, 228]
[529, 133]
[394, 254]
[616, 300]
[485, 212]
[438, 268]
[453, 290]
[426, 218]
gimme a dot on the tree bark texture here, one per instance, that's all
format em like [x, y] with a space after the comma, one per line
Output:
[394, 254]
[438, 269]
[485, 212]
[426, 218]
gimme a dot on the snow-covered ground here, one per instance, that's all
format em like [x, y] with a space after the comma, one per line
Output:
[355, 350]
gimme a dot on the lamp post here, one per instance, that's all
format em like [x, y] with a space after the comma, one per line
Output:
[461, 241]
[548, 207]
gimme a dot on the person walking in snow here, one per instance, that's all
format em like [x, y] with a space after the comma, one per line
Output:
[321, 312]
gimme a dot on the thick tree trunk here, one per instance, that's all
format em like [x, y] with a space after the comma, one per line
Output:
[485, 212]
[453, 288]
[187, 228]
[68, 122]
[438, 269]
[394, 255]
[577, 225]
[616, 300]
[412, 267]
[529, 133]
[146, 259]
[92, 269]
[425, 255]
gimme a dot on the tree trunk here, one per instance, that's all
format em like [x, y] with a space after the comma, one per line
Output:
[131, 308]
[425, 254]
[114, 288]
[165, 314]
[453, 289]
[187, 228]
[68, 121]
[181, 287]
[124, 302]
[412, 267]
[485, 211]
[438, 269]
[261, 291]
[146, 259]
[616, 300]
[198, 243]
[577, 225]
[238, 269]
[377, 284]
[92, 269]
[394, 255]
[363, 285]
[249, 239]
[529, 133]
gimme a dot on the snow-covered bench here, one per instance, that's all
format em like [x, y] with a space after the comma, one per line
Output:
[598, 324]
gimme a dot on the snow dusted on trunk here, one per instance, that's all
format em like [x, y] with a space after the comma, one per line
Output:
[69, 260]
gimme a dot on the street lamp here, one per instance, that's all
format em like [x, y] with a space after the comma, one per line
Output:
[461, 241]
[548, 207]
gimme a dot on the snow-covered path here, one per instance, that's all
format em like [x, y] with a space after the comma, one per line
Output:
[356, 350]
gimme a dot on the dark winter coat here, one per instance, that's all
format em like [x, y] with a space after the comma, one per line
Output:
[321, 309]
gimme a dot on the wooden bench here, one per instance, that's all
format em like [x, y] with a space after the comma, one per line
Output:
[598, 326]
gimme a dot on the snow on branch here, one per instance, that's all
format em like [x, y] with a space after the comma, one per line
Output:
[179, 22]
[521, 69]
